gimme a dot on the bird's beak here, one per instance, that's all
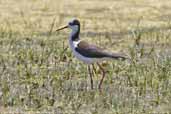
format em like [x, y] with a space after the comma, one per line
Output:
[62, 28]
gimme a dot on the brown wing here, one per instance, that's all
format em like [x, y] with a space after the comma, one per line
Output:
[93, 51]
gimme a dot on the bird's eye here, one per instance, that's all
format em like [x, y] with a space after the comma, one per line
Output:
[70, 23]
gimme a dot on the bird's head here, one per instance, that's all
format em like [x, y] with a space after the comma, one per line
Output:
[74, 25]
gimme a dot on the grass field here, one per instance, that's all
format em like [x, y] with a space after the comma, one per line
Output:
[38, 73]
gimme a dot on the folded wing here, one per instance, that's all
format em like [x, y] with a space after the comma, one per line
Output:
[93, 51]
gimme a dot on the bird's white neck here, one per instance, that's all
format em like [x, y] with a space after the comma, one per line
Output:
[74, 36]
[73, 33]
[73, 43]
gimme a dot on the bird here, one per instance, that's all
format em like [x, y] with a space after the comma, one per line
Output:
[89, 54]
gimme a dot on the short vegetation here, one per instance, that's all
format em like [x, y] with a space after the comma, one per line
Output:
[38, 73]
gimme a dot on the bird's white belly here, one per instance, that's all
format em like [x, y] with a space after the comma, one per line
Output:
[74, 44]
[82, 58]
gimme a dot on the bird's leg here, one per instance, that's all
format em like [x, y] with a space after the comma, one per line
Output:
[94, 69]
[103, 75]
[91, 78]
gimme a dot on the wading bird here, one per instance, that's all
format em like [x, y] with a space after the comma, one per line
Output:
[88, 53]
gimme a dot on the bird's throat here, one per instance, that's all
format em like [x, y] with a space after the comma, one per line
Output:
[75, 35]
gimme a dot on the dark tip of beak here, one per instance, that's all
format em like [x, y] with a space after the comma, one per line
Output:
[62, 28]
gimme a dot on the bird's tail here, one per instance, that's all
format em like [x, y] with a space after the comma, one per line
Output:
[118, 56]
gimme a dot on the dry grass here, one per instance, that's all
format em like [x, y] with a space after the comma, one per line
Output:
[38, 73]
